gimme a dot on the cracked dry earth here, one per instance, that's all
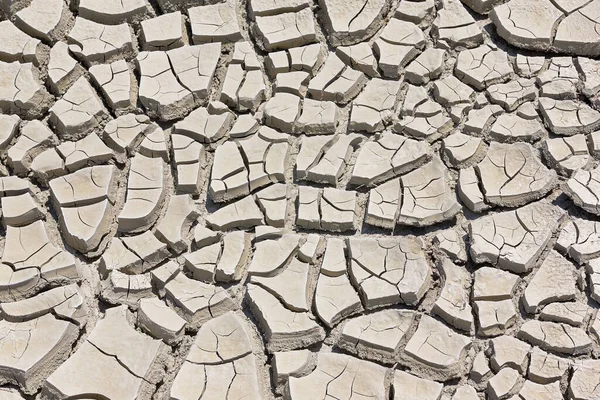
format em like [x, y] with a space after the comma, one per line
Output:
[300, 199]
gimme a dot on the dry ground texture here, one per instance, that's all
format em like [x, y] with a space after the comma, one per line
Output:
[300, 199]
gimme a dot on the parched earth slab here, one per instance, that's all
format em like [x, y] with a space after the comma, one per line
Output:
[243, 213]
[233, 257]
[455, 26]
[428, 123]
[593, 272]
[198, 301]
[125, 289]
[583, 188]
[96, 43]
[84, 227]
[583, 382]
[84, 201]
[545, 367]
[567, 154]
[335, 299]
[512, 175]
[173, 82]
[282, 327]
[560, 80]
[133, 254]
[163, 32]
[453, 303]
[21, 91]
[555, 280]
[27, 356]
[114, 11]
[35, 135]
[18, 46]
[160, 92]
[154, 144]
[507, 351]
[335, 81]
[317, 117]
[421, 13]
[117, 83]
[202, 262]
[31, 348]
[351, 23]
[221, 356]
[88, 151]
[388, 156]
[206, 124]
[572, 313]
[20, 210]
[127, 364]
[273, 202]
[426, 196]
[329, 209]
[323, 159]
[591, 74]
[493, 284]
[290, 286]
[283, 31]
[513, 127]
[527, 24]
[145, 194]
[513, 240]
[125, 133]
[252, 163]
[450, 243]
[359, 56]
[495, 317]
[568, 117]
[268, 7]
[160, 321]
[462, 150]
[400, 42]
[564, 27]
[557, 337]
[271, 255]
[451, 91]
[78, 112]
[304, 58]
[504, 382]
[214, 23]
[483, 66]
[376, 336]
[384, 204]
[30, 261]
[438, 348]
[373, 108]
[340, 376]
[63, 69]
[512, 94]
[580, 240]
[388, 271]
[479, 120]
[178, 218]
[190, 158]
[9, 125]
[427, 66]
[577, 33]
[291, 363]
[469, 191]
[410, 387]
[236, 378]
